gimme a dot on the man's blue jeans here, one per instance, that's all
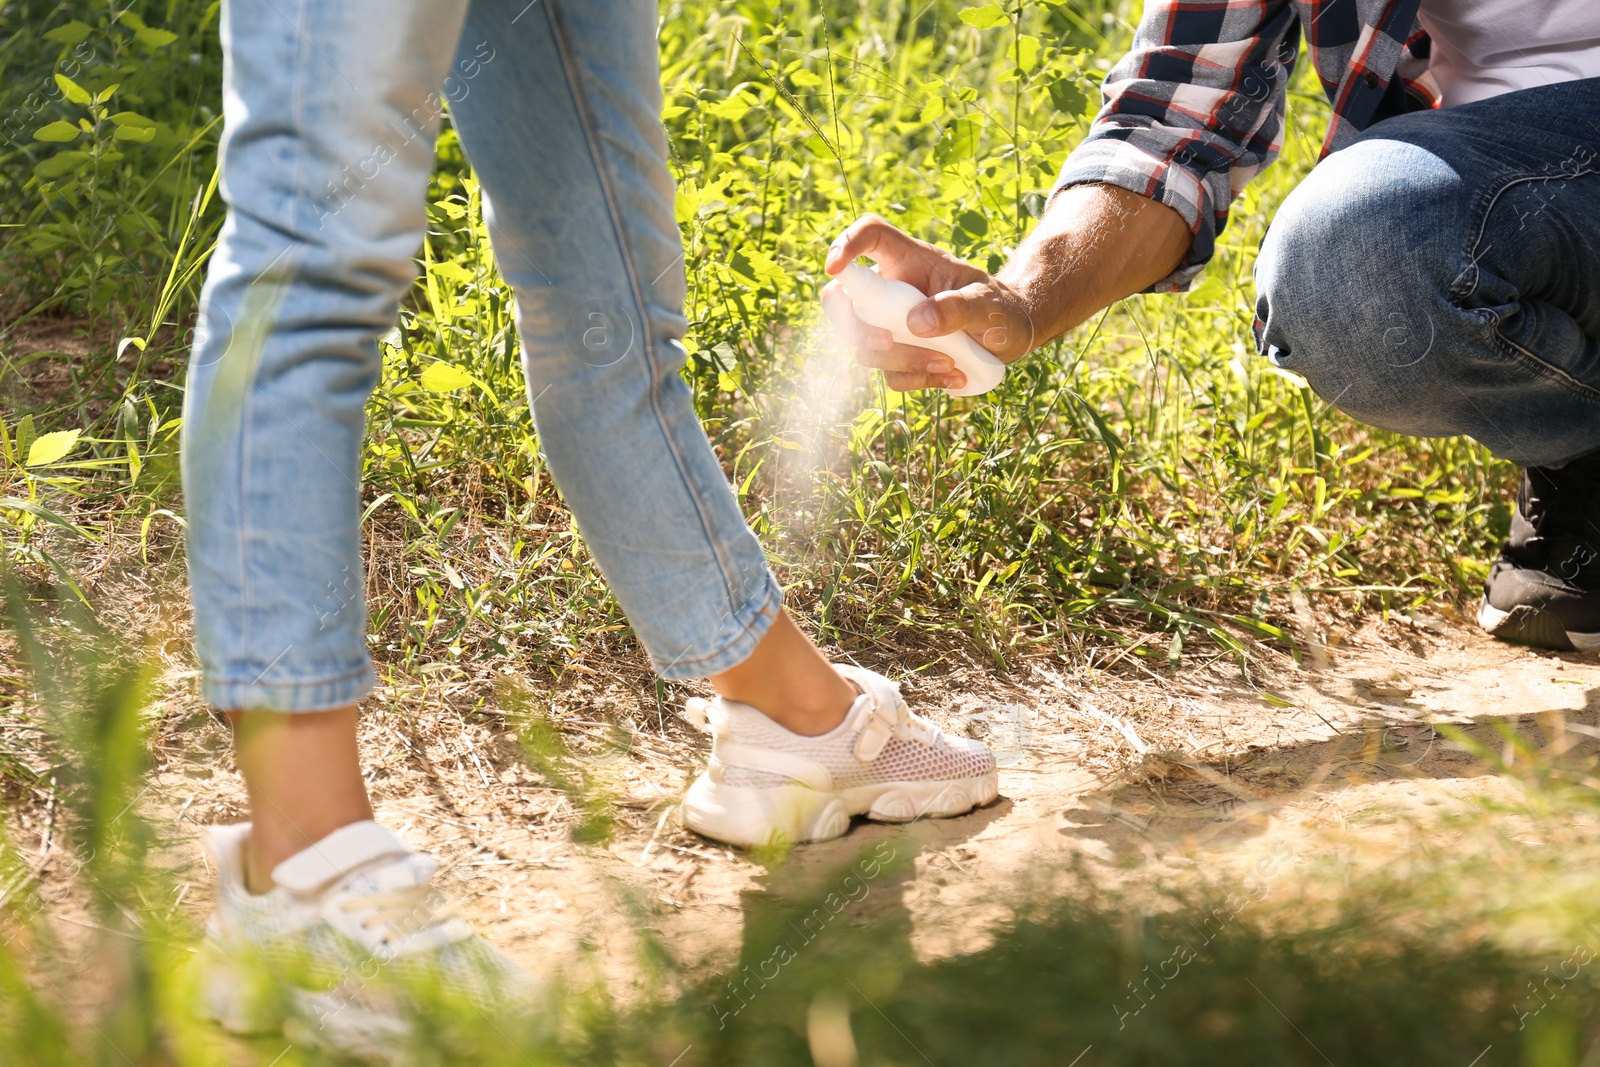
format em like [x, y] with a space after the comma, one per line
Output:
[1441, 275]
[331, 108]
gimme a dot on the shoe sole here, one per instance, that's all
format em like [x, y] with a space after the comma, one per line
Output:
[346, 1029]
[1526, 625]
[239, 999]
[748, 817]
[244, 1001]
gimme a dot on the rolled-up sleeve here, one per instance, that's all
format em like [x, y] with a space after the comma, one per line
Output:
[1193, 112]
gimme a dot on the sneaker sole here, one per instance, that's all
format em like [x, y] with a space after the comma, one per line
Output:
[747, 817]
[1526, 625]
[237, 998]
[247, 1002]
[323, 1022]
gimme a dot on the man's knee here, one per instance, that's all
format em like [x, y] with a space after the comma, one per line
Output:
[1353, 279]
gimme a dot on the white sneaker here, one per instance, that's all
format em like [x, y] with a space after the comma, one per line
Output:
[767, 785]
[348, 950]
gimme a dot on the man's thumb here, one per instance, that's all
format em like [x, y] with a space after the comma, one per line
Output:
[944, 312]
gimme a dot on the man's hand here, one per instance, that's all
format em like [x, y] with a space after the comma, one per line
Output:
[1095, 245]
[962, 298]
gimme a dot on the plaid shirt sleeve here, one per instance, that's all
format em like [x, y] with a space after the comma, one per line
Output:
[1193, 112]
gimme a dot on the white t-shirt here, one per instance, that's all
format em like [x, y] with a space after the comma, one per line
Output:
[1482, 48]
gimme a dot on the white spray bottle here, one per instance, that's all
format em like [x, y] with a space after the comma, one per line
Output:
[885, 303]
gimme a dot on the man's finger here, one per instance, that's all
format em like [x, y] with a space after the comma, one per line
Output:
[907, 382]
[881, 353]
[841, 313]
[875, 236]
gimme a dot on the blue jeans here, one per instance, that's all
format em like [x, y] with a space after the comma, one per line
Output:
[1441, 275]
[331, 108]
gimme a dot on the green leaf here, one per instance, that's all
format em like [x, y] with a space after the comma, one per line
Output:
[685, 201]
[44, 243]
[692, 200]
[130, 20]
[932, 110]
[1027, 53]
[74, 92]
[755, 265]
[69, 33]
[672, 112]
[442, 377]
[105, 94]
[973, 223]
[151, 37]
[1068, 98]
[865, 428]
[28, 506]
[1211, 291]
[452, 271]
[986, 17]
[805, 79]
[60, 165]
[52, 447]
[732, 108]
[960, 141]
[57, 131]
[24, 435]
[132, 126]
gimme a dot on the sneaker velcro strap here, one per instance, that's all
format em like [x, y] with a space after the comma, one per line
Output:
[888, 709]
[336, 855]
[877, 730]
[757, 758]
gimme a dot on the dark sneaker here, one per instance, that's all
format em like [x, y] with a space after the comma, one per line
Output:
[1544, 590]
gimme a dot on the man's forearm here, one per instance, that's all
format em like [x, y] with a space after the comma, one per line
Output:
[1095, 245]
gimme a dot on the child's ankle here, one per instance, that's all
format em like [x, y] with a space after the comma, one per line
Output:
[808, 718]
[790, 682]
[257, 868]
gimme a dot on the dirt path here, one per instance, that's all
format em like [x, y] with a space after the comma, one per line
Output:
[1114, 774]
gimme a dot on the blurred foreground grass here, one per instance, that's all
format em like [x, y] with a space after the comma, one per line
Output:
[1463, 936]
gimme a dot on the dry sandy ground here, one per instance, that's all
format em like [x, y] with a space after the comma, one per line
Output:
[1120, 773]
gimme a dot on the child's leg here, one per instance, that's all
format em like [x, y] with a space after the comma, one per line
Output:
[569, 147]
[790, 681]
[304, 780]
[326, 156]
[330, 115]
[330, 110]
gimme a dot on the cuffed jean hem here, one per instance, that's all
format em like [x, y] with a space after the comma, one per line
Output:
[749, 626]
[323, 694]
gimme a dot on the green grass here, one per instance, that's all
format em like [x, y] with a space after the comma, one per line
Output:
[1147, 473]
